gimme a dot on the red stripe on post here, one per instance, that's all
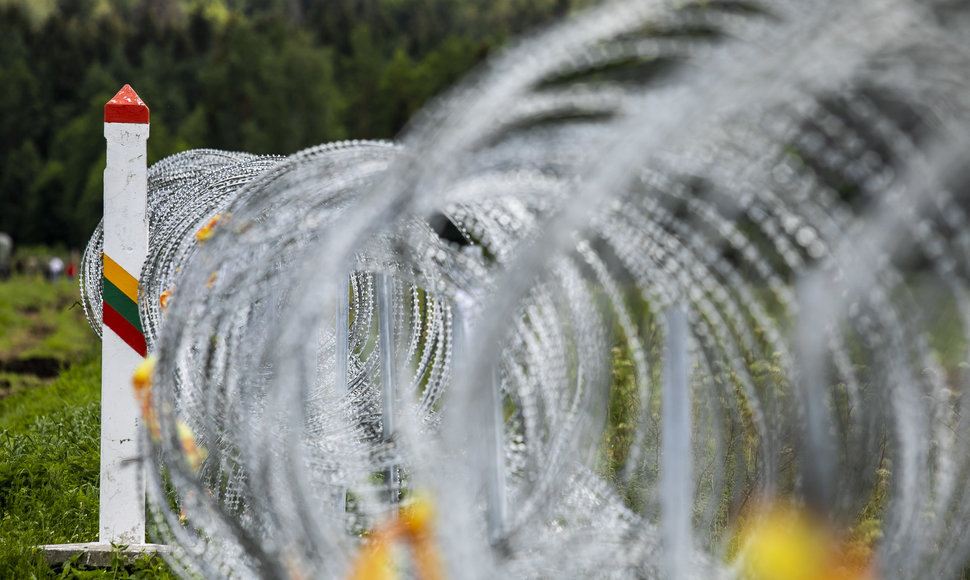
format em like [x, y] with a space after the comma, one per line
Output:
[124, 329]
[126, 107]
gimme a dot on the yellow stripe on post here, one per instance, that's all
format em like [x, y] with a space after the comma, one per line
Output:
[120, 278]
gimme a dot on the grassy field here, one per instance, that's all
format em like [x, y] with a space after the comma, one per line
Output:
[49, 431]
[42, 331]
[50, 421]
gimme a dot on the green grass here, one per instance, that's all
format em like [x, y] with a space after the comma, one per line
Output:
[49, 469]
[43, 323]
[50, 435]
[40, 318]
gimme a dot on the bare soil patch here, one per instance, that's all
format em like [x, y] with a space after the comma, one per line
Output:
[41, 367]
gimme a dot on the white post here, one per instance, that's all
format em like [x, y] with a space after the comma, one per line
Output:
[122, 501]
[342, 337]
[492, 442]
[818, 451]
[341, 353]
[385, 336]
[676, 489]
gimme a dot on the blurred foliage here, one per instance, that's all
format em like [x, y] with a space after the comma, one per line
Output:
[264, 76]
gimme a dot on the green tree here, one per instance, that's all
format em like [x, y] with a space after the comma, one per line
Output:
[21, 167]
[360, 74]
[398, 95]
[270, 89]
[265, 76]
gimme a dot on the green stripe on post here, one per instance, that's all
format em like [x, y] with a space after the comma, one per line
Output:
[122, 304]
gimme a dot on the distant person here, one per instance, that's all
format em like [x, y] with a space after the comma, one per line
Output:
[56, 267]
[6, 252]
[72, 264]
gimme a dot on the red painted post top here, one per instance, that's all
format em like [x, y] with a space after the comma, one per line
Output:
[126, 107]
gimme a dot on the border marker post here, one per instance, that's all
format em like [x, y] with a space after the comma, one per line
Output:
[122, 500]
[123, 347]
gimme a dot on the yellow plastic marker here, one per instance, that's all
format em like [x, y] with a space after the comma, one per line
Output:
[414, 525]
[206, 231]
[195, 454]
[142, 381]
[165, 297]
[786, 542]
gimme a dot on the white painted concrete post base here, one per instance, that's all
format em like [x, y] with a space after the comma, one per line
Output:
[99, 554]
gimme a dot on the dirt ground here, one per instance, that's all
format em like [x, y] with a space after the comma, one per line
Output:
[42, 337]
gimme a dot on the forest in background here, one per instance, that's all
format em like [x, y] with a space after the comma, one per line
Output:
[263, 76]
